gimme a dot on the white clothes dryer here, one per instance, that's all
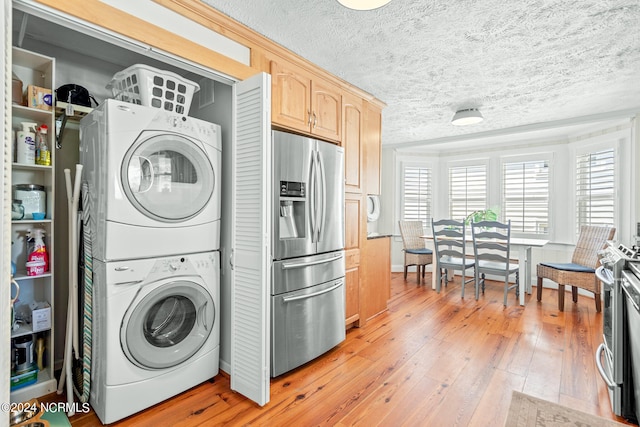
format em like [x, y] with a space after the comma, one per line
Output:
[154, 181]
[156, 330]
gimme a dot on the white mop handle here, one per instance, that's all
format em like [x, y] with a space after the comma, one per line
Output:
[74, 271]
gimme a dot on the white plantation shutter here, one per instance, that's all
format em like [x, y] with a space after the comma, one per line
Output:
[595, 179]
[5, 181]
[467, 190]
[525, 196]
[417, 194]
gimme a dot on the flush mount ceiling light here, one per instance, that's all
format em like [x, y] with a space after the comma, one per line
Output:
[363, 4]
[470, 116]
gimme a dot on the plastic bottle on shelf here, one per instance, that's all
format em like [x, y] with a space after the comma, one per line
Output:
[37, 252]
[26, 144]
[44, 155]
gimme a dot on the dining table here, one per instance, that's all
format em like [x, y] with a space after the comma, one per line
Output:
[523, 246]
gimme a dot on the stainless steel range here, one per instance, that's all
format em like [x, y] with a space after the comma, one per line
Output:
[631, 288]
[613, 356]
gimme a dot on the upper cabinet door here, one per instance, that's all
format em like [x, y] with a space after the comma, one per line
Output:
[290, 97]
[352, 119]
[326, 110]
[372, 146]
[305, 103]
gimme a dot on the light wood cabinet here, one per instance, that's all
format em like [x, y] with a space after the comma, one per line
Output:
[372, 147]
[353, 207]
[371, 275]
[352, 287]
[304, 102]
[326, 110]
[352, 121]
[375, 271]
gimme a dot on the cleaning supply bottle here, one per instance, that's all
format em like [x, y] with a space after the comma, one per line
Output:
[26, 144]
[36, 250]
[44, 155]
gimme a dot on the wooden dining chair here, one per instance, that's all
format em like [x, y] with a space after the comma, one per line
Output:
[450, 249]
[415, 252]
[491, 249]
[580, 272]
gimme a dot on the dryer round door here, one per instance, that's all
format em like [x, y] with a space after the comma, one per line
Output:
[168, 177]
[168, 325]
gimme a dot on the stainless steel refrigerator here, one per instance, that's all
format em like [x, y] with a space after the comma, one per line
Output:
[308, 269]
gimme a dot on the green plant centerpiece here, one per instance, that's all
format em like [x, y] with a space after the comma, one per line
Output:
[489, 214]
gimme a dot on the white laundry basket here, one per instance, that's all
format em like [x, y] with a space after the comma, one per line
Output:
[144, 85]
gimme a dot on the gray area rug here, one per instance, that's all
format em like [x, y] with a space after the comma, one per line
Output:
[529, 411]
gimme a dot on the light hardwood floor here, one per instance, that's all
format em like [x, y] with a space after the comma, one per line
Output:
[430, 360]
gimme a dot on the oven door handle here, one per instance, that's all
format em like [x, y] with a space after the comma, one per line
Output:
[603, 374]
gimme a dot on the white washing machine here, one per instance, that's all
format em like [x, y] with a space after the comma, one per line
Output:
[156, 330]
[154, 181]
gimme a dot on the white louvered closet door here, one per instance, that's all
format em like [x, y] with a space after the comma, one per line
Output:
[5, 181]
[250, 293]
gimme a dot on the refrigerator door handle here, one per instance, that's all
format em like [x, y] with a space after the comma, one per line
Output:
[315, 294]
[289, 266]
[323, 188]
[312, 197]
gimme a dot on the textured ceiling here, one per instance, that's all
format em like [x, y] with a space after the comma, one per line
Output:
[520, 62]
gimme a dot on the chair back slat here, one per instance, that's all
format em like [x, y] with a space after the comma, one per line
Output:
[450, 233]
[481, 234]
[591, 240]
[497, 246]
[494, 257]
[453, 253]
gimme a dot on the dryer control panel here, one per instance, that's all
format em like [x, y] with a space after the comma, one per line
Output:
[188, 126]
[150, 270]
[186, 265]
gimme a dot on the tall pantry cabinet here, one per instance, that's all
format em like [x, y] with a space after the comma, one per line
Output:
[355, 215]
[32, 334]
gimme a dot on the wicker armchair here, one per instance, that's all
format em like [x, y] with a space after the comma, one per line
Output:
[415, 253]
[580, 272]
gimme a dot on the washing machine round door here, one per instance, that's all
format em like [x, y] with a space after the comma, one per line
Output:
[168, 177]
[168, 325]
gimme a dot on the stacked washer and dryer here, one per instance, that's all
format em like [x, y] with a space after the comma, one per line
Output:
[154, 189]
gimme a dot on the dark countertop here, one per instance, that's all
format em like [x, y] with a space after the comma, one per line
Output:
[378, 236]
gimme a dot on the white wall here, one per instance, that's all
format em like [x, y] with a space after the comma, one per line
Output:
[220, 112]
